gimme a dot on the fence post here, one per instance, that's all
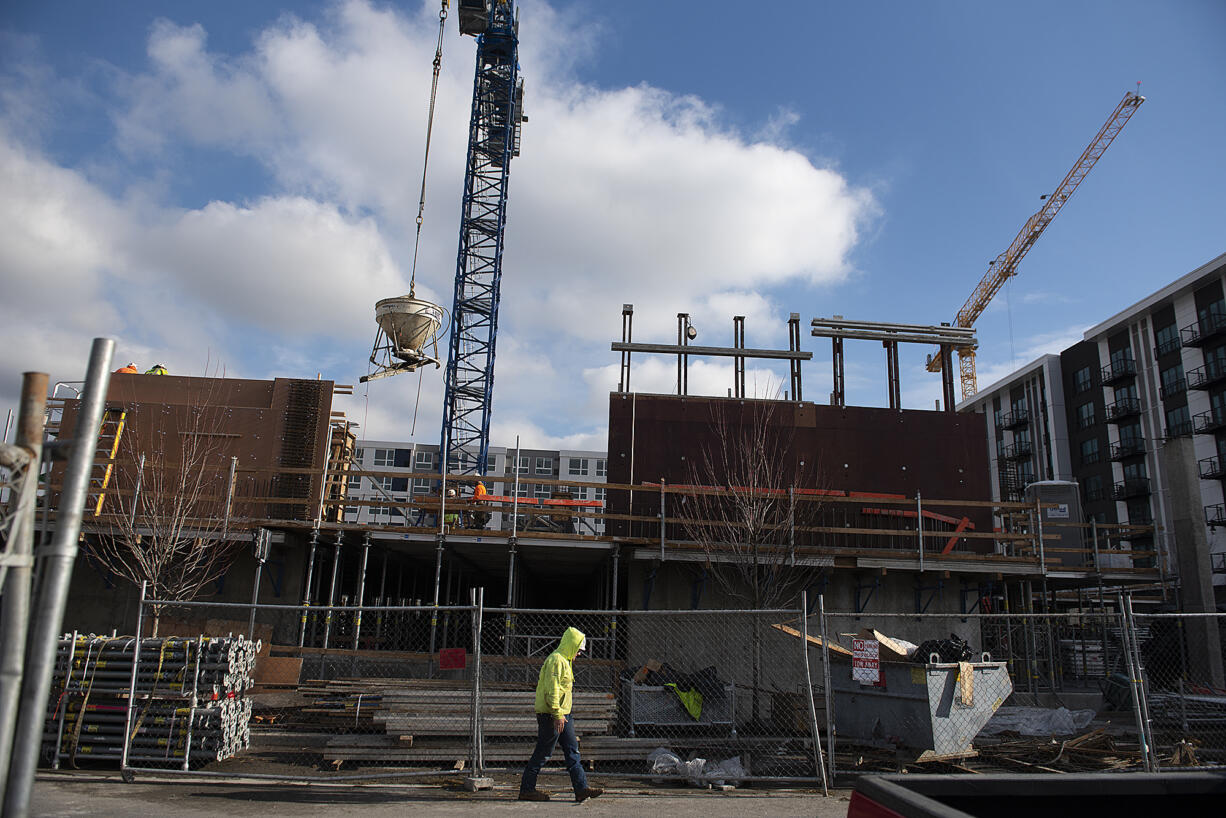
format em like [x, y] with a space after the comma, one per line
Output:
[804, 650]
[829, 697]
[1134, 678]
[127, 721]
[919, 527]
[1151, 751]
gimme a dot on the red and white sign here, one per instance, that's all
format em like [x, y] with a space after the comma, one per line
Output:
[866, 661]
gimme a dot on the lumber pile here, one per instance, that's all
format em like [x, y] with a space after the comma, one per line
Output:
[386, 719]
[1090, 752]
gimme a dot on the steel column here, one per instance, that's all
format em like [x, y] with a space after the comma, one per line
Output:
[55, 577]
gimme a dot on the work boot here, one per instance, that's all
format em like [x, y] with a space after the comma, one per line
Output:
[533, 795]
[589, 792]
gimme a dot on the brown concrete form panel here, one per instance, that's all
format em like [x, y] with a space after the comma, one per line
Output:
[268, 426]
[860, 449]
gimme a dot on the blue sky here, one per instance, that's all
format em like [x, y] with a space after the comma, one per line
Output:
[235, 183]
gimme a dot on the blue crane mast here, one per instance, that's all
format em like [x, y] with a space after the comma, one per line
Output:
[493, 139]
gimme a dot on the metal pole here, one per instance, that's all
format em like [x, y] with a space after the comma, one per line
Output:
[438, 576]
[360, 600]
[1038, 515]
[261, 554]
[508, 627]
[140, 478]
[829, 693]
[56, 574]
[15, 618]
[1134, 677]
[127, 718]
[804, 652]
[515, 494]
[919, 527]
[336, 564]
[225, 525]
[1147, 725]
[306, 587]
[477, 598]
[661, 519]
[613, 604]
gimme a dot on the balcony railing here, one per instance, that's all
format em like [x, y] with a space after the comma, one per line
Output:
[1209, 422]
[1181, 429]
[1136, 487]
[1015, 419]
[1123, 408]
[1215, 515]
[1128, 447]
[1219, 562]
[1118, 371]
[1211, 374]
[1018, 451]
[1094, 495]
[1167, 347]
[1204, 330]
[1175, 387]
[1212, 468]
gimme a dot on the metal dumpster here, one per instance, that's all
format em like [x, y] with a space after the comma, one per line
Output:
[920, 707]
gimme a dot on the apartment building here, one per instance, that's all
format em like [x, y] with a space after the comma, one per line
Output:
[505, 478]
[1135, 414]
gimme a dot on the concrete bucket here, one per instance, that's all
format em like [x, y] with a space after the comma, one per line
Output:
[409, 324]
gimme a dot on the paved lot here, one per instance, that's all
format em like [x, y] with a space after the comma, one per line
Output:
[78, 794]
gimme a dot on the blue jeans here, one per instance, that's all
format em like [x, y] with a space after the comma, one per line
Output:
[546, 738]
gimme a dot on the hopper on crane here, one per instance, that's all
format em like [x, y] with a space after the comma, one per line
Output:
[407, 326]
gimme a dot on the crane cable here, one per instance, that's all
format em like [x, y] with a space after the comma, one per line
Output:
[421, 204]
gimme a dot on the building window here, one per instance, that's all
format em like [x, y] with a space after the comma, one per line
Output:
[491, 464]
[1093, 488]
[598, 494]
[384, 483]
[1167, 340]
[542, 491]
[1172, 380]
[522, 464]
[1131, 435]
[355, 482]
[358, 454]
[523, 489]
[423, 460]
[602, 468]
[421, 486]
[1178, 422]
[1089, 451]
[1082, 380]
[578, 466]
[351, 514]
[1085, 416]
[385, 457]
[544, 465]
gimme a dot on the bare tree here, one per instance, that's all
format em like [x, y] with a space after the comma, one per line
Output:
[171, 500]
[753, 503]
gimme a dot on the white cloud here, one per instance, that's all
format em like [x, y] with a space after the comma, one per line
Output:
[621, 195]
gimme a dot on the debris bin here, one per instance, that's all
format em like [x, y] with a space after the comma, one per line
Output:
[936, 709]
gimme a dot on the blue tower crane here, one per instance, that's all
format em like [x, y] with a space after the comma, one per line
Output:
[493, 139]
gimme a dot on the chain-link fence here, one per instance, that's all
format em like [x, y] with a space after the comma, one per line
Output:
[344, 693]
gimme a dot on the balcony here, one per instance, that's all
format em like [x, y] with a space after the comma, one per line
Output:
[1176, 387]
[1181, 429]
[1215, 515]
[1119, 371]
[1018, 451]
[1095, 495]
[1136, 487]
[1128, 447]
[1167, 347]
[1123, 408]
[1219, 562]
[1212, 468]
[1206, 423]
[1211, 374]
[1015, 419]
[1211, 326]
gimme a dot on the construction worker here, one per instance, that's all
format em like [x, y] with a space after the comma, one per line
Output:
[130, 369]
[553, 721]
[451, 519]
[156, 369]
[479, 519]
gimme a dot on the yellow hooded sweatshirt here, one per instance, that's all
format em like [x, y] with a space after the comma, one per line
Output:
[556, 679]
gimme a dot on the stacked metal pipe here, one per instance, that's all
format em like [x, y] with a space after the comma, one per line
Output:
[179, 700]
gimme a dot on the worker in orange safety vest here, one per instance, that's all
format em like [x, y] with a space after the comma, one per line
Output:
[130, 369]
